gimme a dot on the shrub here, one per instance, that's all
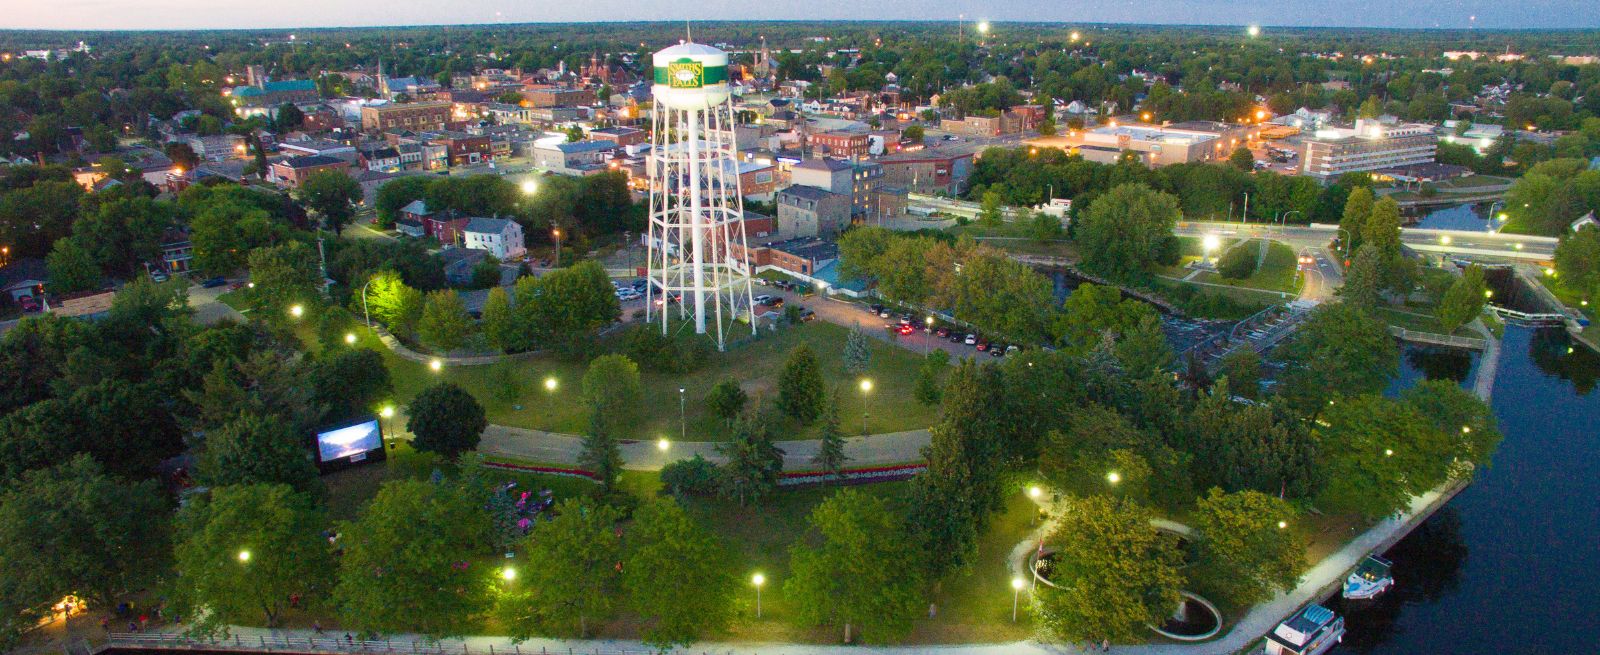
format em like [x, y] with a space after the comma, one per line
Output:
[1238, 263]
[696, 476]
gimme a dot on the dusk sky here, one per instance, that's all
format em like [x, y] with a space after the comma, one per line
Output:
[191, 14]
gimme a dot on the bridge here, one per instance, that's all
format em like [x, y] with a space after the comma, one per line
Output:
[1436, 339]
[1529, 318]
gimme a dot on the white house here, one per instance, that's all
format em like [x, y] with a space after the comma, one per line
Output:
[500, 237]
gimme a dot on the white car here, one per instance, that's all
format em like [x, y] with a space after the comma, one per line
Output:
[972, 340]
[763, 299]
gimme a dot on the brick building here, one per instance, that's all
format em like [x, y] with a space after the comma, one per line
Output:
[291, 173]
[414, 116]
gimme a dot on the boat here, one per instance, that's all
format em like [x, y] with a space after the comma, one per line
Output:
[1369, 580]
[1313, 631]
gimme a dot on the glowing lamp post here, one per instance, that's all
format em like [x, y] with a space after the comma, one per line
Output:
[866, 394]
[758, 580]
[1016, 596]
[244, 557]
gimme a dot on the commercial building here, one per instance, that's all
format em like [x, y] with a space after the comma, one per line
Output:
[414, 116]
[291, 173]
[622, 136]
[1368, 146]
[850, 145]
[557, 96]
[577, 158]
[274, 94]
[805, 211]
[1155, 145]
[824, 173]
[929, 171]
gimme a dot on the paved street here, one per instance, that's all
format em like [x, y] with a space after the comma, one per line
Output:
[1456, 243]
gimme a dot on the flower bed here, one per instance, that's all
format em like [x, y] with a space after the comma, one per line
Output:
[543, 470]
[862, 475]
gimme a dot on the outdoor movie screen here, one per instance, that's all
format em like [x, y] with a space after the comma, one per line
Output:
[352, 442]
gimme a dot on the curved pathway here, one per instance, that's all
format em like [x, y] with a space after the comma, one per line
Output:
[563, 449]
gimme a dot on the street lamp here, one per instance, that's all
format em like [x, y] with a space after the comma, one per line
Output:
[244, 556]
[1016, 595]
[384, 414]
[866, 394]
[550, 384]
[662, 444]
[436, 365]
[983, 27]
[1283, 524]
[1253, 31]
[683, 415]
[1035, 492]
[508, 574]
[1113, 477]
[530, 187]
[350, 338]
[758, 580]
[1210, 244]
[297, 310]
[556, 232]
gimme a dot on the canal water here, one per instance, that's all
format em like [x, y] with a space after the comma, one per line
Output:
[1510, 565]
[1456, 217]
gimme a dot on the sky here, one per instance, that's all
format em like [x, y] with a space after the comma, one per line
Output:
[205, 14]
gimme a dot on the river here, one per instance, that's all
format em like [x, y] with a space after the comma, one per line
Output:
[1509, 565]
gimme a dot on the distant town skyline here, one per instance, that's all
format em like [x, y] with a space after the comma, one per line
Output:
[289, 14]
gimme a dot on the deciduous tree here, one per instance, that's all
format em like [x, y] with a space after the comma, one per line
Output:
[1246, 550]
[1115, 573]
[863, 572]
[570, 577]
[800, 385]
[444, 324]
[246, 550]
[696, 600]
[445, 419]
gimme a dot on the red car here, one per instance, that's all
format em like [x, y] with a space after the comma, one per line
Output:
[905, 329]
[28, 304]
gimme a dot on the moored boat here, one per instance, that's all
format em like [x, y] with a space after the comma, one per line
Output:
[1369, 580]
[1312, 631]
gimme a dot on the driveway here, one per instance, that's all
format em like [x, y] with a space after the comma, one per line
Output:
[207, 309]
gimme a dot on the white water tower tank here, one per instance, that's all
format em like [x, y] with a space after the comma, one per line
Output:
[691, 76]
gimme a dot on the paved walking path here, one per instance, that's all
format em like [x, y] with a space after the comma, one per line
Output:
[556, 448]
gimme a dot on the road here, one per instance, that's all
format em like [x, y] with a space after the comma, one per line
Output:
[1490, 246]
[849, 314]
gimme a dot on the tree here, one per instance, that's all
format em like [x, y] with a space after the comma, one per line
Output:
[1076, 459]
[1382, 230]
[1144, 349]
[951, 500]
[1246, 551]
[570, 576]
[245, 551]
[1092, 311]
[1464, 300]
[564, 307]
[1043, 227]
[398, 193]
[71, 267]
[289, 117]
[1578, 262]
[182, 155]
[71, 530]
[1379, 453]
[862, 572]
[1242, 367]
[350, 382]
[391, 302]
[601, 455]
[912, 133]
[1353, 224]
[1456, 411]
[612, 390]
[1115, 573]
[333, 195]
[830, 455]
[255, 449]
[857, 356]
[499, 321]
[405, 566]
[753, 462]
[1339, 350]
[1239, 262]
[574, 134]
[1242, 159]
[445, 419]
[990, 210]
[930, 377]
[444, 325]
[726, 400]
[1124, 230]
[1363, 282]
[284, 275]
[696, 600]
[800, 385]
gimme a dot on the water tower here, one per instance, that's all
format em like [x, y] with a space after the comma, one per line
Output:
[697, 240]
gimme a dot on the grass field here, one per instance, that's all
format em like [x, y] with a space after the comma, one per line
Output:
[1012, 237]
[890, 406]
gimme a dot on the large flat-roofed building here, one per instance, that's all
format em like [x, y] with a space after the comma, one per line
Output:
[1368, 146]
[557, 96]
[1155, 145]
[414, 116]
[928, 170]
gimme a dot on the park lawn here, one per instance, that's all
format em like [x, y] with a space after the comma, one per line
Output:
[1279, 271]
[890, 406]
[235, 299]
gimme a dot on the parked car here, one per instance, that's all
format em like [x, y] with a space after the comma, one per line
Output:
[640, 284]
[763, 299]
[159, 276]
[997, 349]
[981, 345]
[213, 283]
[957, 337]
[29, 303]
[875, 309]
[904, 329]
[1011, 349]
[971, 340]
[884, 313]
[943, 331]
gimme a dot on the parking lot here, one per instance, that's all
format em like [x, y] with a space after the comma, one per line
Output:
[847, 314]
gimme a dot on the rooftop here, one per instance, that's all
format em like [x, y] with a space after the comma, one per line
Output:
[311, 161]
[488, 225]
[808, 192]
[825, 164]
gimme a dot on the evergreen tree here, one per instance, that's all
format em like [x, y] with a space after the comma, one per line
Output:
[1362, 283]
[930, 377]
[726, 399]
[1464, 300]
[800, 385]
[951, 500]
[830, 452]
[753, 462]
[1353, 224]
[1382, 230]
[601, 454]
[1144, 349]
[856, 354]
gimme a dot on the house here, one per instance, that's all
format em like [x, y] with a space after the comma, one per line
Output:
[177, 252]
[498, 236]
[291, 173]
[1588, 220]
[464, 148]
[411, 227]
[459, 262]
[405, 115]
[823, 173]
[24, 277]
[805, 211]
